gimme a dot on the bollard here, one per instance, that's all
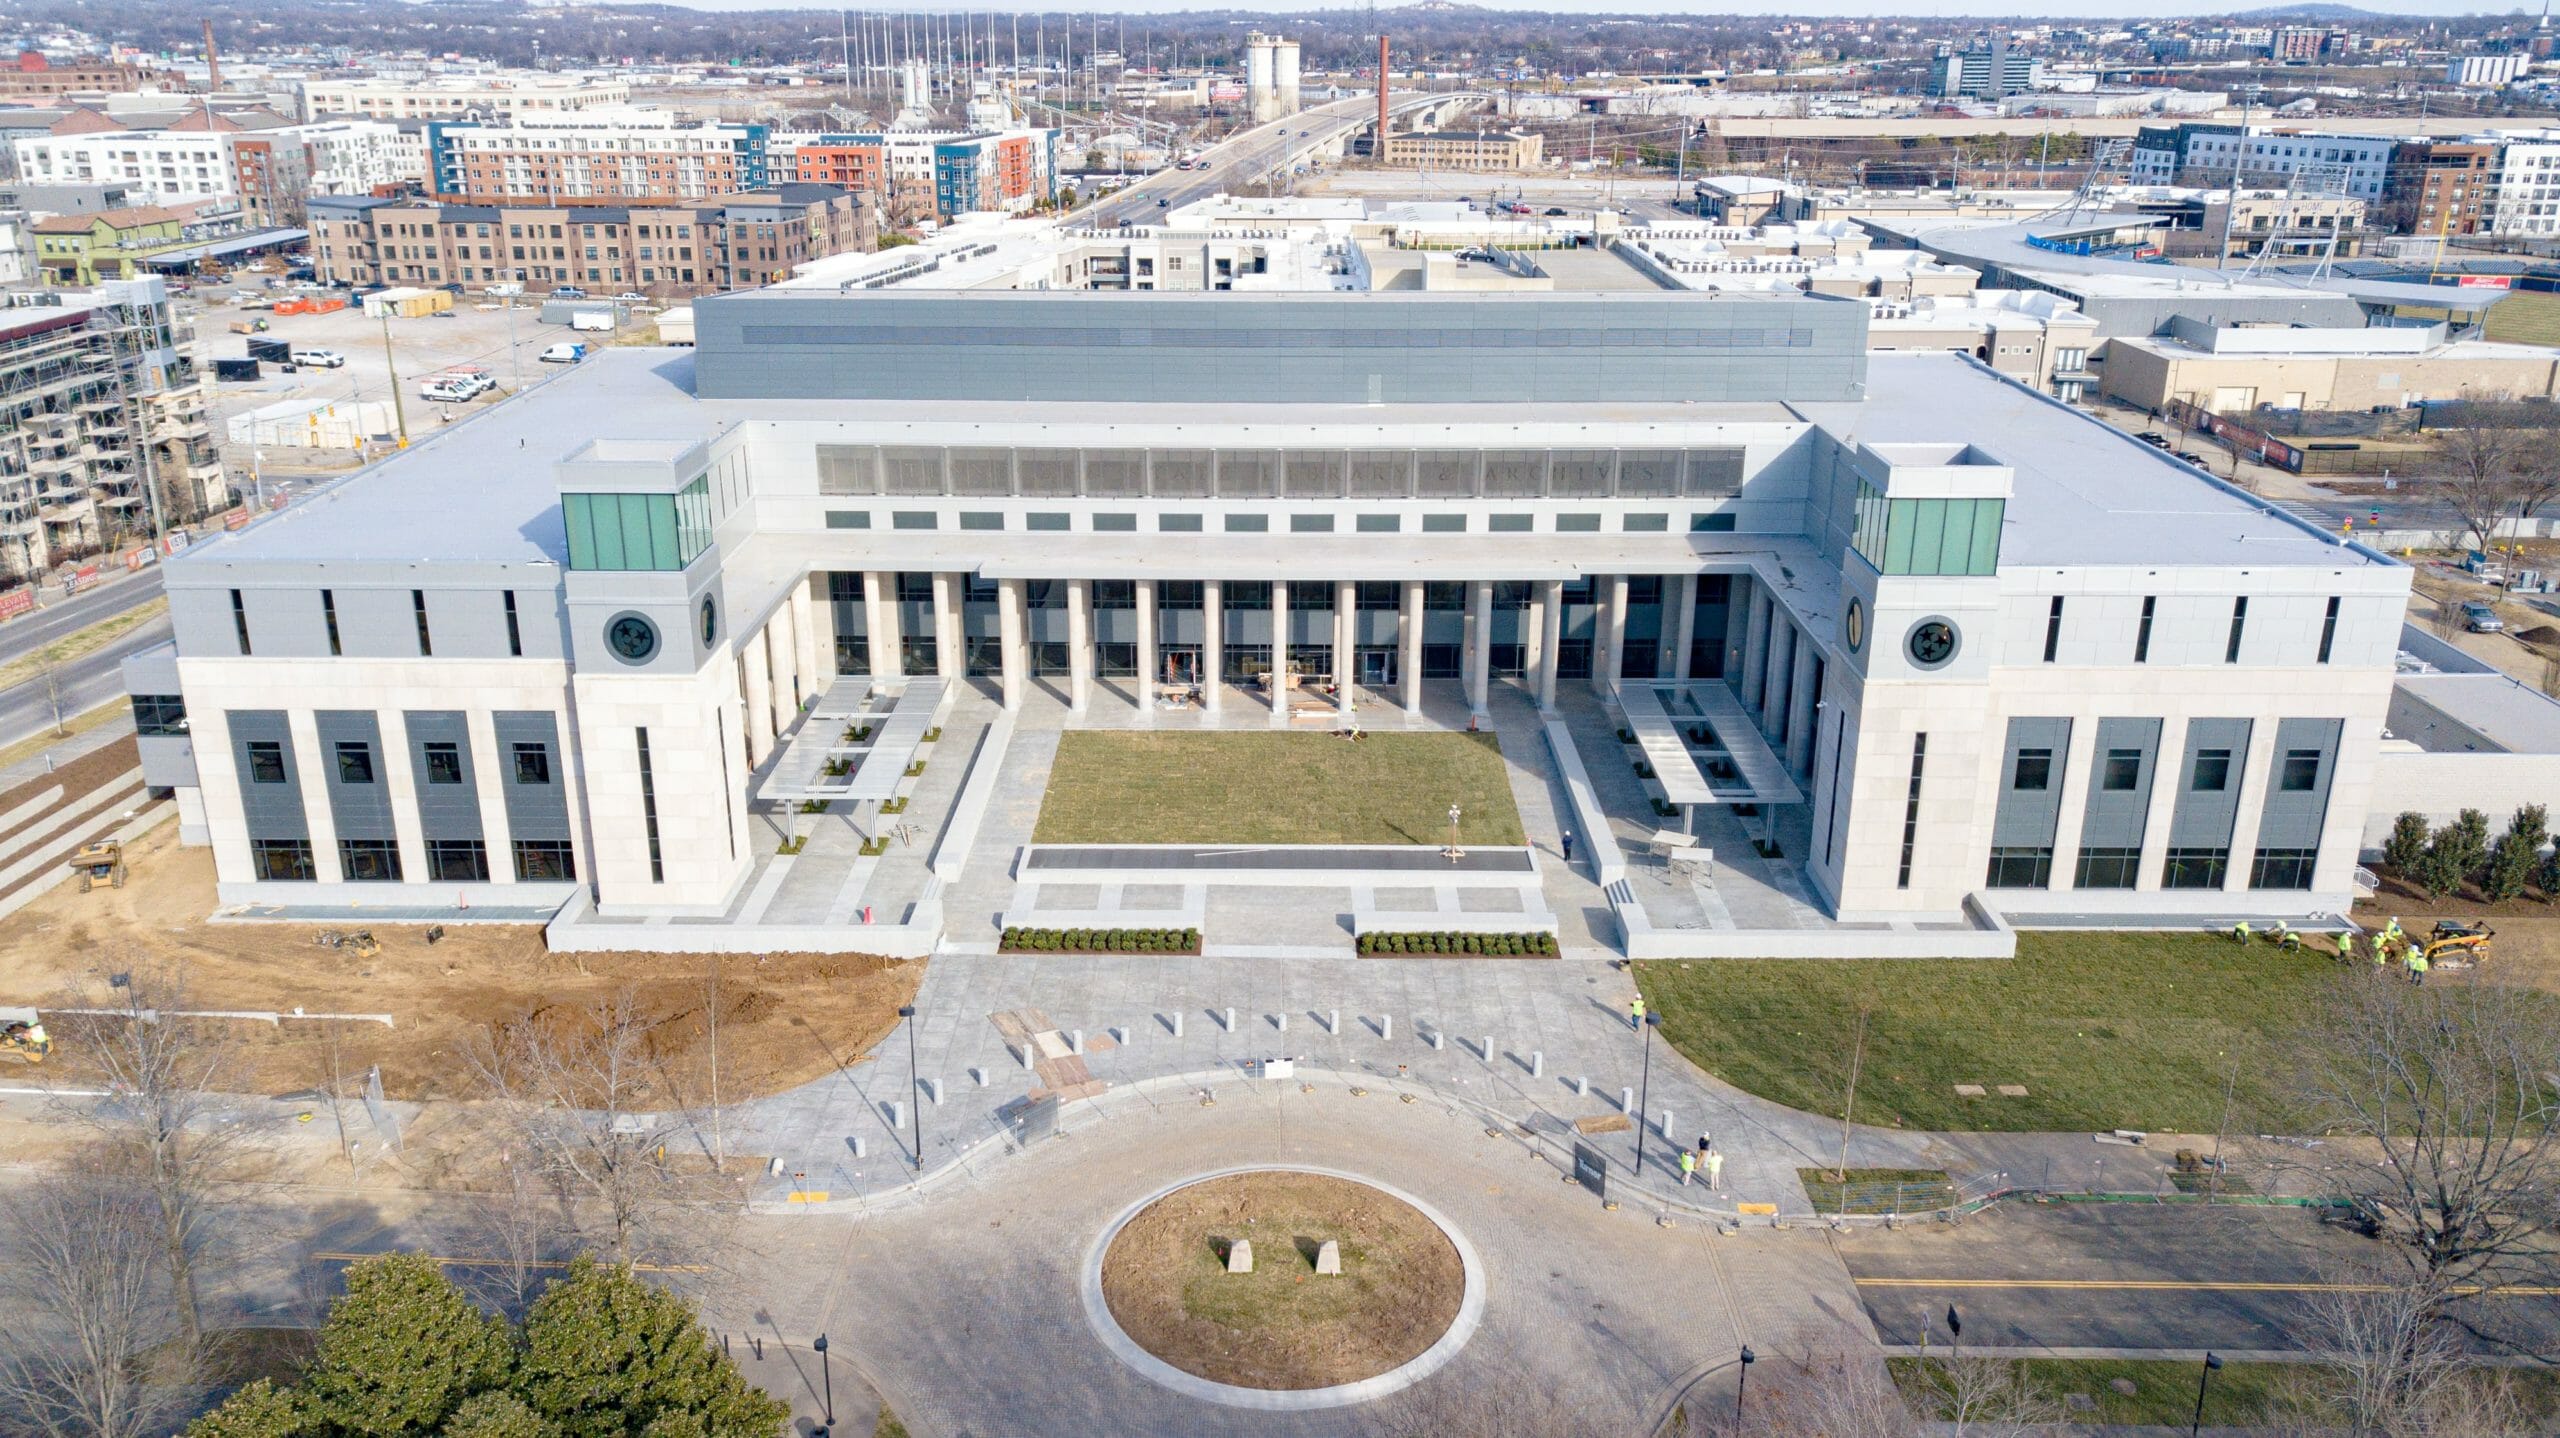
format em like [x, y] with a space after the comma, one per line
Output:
[1280, 1022]
[1075, 1042]
[1177, 1025]
[1538, 1063]
[1488, 1048]
[1437, 1038]
[1665, 1130]
[860, 1146]
[1231, 1021]
[1626, 1100]
[1333, 1022]
[1030, 1057]
[932, 1090]
[1386, 1026]
[1582, 1086]
[1120, 1035]
[978, 1076]
[897, 1114]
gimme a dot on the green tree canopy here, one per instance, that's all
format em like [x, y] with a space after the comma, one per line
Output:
[607, 1356]
[497, 1415]
[402, 1350]
[257, 1410]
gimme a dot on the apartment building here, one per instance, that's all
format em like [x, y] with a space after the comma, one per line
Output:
[2526, 199]
[103, 429]
[109, 245]
[593, 158]
[930, 174]
[456, 97]
[2200, 153]
[1984, 70]
[664, 251]
[1495, 150]
[160, 167]
[32, 76]
[2441, 187]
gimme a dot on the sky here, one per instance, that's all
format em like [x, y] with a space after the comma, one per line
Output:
[2013, 8]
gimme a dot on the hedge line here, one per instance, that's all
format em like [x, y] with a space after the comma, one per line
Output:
[1101, 941]
[1497, 945]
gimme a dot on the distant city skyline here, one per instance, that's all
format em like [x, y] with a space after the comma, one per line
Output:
[1796, 9]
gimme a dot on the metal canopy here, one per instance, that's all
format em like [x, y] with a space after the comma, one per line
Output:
[1656, 713]
[875, 765]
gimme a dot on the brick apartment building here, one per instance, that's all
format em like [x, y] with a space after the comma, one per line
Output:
[2441, 186]
[593, 158]
[670, 251]
[31, 76]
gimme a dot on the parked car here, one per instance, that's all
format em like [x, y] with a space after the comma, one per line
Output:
[455, 388]
[631, 297]
[568, 292]
[566, 353]
[320, 359]
[2191, 457]
[2479, 618]
[2153, 438]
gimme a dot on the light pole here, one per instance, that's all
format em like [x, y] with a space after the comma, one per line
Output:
[827, 1375]
[1742, 1385]
[1644, 1087]
[908, 1013]
[2212, 1365]
[1453, 853]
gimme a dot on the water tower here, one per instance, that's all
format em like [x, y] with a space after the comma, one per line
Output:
[1261, 85]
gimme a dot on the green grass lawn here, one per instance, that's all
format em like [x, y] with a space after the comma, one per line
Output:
[1242, 788]
[1877, 1190]
[2104, 1030]
[2241, 1395]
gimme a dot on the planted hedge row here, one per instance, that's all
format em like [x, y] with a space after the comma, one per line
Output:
[1101, 941]
[1494, 945]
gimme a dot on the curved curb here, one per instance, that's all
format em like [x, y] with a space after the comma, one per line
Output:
[1155, 1370]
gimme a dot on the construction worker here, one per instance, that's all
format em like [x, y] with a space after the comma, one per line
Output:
[2291, 938]
[1688, 1166]
[2240, 931]
[2391, 932]
[2417, 964]
[1715, 1170]
[1635, 1012]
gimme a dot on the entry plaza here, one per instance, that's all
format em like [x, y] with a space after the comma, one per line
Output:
[885, 620]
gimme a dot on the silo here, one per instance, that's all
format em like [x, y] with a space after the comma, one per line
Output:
[1284, 75]
[1262, 96]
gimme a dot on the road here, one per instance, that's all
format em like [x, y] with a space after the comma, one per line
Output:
[64, 616]
[26, 710]
[1244, 158]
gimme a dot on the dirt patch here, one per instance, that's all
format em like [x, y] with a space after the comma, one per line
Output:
[1282, 1326]
[783, 1018]
[74, 779]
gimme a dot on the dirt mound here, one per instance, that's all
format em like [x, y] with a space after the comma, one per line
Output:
[2539, 634]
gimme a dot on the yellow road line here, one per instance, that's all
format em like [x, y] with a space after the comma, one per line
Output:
[2175, 1285]
[449, 1261]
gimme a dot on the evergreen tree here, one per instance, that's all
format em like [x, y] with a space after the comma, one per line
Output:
[2407, 845]
[2546, 877]
[607, 1356]
[2513, 858]
[2470, 830]
[497, 1415]
[257, 1410]
[401, 1352]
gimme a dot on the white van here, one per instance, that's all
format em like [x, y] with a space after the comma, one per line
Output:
[455, 388]
[563, 354]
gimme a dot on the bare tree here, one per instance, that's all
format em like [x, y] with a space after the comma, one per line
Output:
[1504, 1404]
[2391, 1366]
[2444, 1096]
[1840, 1391]
[2478, 477]
[163, 1126]
[100, 1350]
[575, 1086]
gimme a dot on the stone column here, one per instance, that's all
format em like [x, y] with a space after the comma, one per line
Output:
[1409, 650]
[1346, 652]
[1079, 644]
[1609, 635]
[1479, 664]
[1280, 654]
[880, 622]
[950, 652]
[1146, 597]
[1213, 642]
[1755, 647]
[1801, 714]
[755, 683]
[1776, 675]
[1014, 662]
[1550, 642]
[777, 648]
[1683, 627]
[814, 664]
[1533, 637]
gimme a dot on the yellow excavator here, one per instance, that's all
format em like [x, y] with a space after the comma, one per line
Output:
[2458, 941]
[101, 863]
[22, 1037]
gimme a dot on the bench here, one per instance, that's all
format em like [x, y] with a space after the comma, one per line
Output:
[1682, 851]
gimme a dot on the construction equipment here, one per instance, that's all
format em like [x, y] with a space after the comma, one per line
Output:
[100, 863]
[2458, 941]
[22, 1037]
[360, 940]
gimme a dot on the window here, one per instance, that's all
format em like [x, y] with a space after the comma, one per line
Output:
[266, 761]
[2194, 868]
[329, 618]
[282, 861]
[2239, 626]
[1711, 524]
[2123, 771]
[1577, 524]
[1378, 523]
[369, 861]
[2053, 629]
[2283, 868]
[2142, 635]
[515, 636]
[2329, 629]
[540, 860]
[649, 810]
[355, 762]
[1646, 523]
[913, 519]
[2107, 868]
[2034, 770]
[533, 764]
[418, 604]
[1444, 524]
[159, 714]
[1178, 523]
[857, 519]
[1115, 524]
[444, 761]
[457, 861]
[1911, 811]
[1311, 524]
[981, 519]
[1248, 523]
[1507, 523]
[240, 620]
[2301, 771]
[2213, 771]
[2020, 869]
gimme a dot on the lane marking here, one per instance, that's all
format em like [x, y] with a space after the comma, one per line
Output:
[2174, 1285]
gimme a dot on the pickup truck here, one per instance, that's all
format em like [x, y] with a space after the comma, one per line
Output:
[320, 359]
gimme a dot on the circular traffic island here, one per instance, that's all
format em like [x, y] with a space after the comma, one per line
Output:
[1285, 1327]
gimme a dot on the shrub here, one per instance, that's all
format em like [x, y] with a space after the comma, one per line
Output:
[2513, 857]
[2407, 846]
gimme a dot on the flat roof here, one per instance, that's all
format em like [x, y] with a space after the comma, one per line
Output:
[2473, 713]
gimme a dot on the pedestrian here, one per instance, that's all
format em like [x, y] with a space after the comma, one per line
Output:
[1715, 1172]
[1688, 1166]
[1635, 1012]
[1706, 1141]
[1568, 846]
[2417, 964]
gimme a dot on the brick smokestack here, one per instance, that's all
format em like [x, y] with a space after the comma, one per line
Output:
[1382, 98]
[212, 63]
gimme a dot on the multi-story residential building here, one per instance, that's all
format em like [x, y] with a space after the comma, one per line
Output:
[1502, 150]
[103, 432]
[189, 160]
[271, 173]
[593, 158]
[2441, 187]
[665, 251]
[2526, 200]
[363, 157]
[2296, 42]
[110, 245]
[1984, 70]
[935, 174]
[480, 97]
[31, 76]
[2210, 154]
[1964, 652]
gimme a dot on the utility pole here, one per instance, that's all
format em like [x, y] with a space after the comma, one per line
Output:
[2231, 206]
[399, 415]
[844, 42]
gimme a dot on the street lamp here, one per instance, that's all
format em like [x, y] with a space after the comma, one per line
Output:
[908, 1013]
[1644, 1089]
[2212, 1365]
[828, 1374]
[1743, 1384]
[1453, 853]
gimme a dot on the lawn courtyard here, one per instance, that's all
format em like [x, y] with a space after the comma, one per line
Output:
[1116, 787]
[2103, 1030]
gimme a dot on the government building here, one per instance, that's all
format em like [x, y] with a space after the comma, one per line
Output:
[1917, 649]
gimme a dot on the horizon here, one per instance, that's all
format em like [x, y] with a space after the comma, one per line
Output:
[1823, 10]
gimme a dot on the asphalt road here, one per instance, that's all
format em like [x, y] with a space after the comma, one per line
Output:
[87, 682]
[61, 616]
[1242, 159]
